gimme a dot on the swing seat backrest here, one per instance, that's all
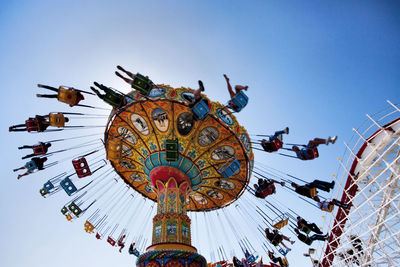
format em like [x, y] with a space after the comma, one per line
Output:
[111, 241]
[285, 262]
[281, 223]
[67, 95]
[283, 252]
[230, 168]
[48, 186]
[75, 209]
[171, 149]
[142, 84]
[68, 186]
[268, 191]
[239, 100]
[69, 217]
[31, 166]
[39, 149]
[114, 151]
[57, 119]
[89, 227]
[315, 153]
[43, 192]
[81, 167]
[313, 192]
[64, 210]
[305, 229]
[114, 99]
[32, 124]
[201, 109]
[251, 258]
[276, 144]
[330, 208]
[312, 153]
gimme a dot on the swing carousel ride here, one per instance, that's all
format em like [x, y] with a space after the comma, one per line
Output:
[186, 155]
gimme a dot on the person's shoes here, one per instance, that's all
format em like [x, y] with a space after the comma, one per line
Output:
[245, 88]
[19, 176]
[20, 147]
[40, 85]
[38, 95]
[282, 183]
[332, 185]
[331, 140]
[292, 242]
[306, 255]
[286, 131]
[201, 86]
[10, 129]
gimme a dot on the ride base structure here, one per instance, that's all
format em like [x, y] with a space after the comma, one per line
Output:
[164, 152]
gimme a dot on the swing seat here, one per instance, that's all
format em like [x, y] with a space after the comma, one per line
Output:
[276, 144]
[81, 167]
[251, 259]
[269, 190]
[283, 252]
[57, 120]
[64, 210]
[111, 241]
[281, 223]
[171, 149]
[68, 95]
[305, 229]
[330, 208]
[43, 192]
[313, 192]
[75, 209]
[48, 186]
[142, 84]
[69, 217]
[230, 168]
[200, 109]
[313, 153]
[32, 125]
[68, 186]
[89, 227]
[31, 166]
[114, 99]
[39, 149]
[239, 101]
[285, 262]
[114, 151]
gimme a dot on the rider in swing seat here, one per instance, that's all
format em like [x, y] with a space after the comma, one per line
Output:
[265, 187]
[276, 238]
[32, 165]
[115, 99]
[68, 95]
[310, 239]
[274, 142]
[306, 227]
[139, 82]
[39, 149]
[310, 151]
[199, 105]
[238, 88]
[328, 205]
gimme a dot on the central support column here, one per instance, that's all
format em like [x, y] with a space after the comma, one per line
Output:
[171, 242]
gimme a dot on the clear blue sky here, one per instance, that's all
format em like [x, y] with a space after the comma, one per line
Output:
[316, 67]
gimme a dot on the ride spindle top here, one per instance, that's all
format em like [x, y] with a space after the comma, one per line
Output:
[162, 135]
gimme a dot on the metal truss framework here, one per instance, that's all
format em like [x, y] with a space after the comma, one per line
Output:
[368, 234]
